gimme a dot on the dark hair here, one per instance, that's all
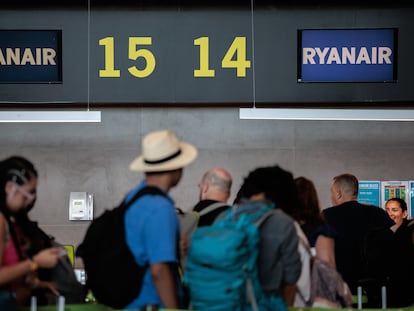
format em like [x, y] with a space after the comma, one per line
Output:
[276, 183]
[16, 169]
[308, 213]
[400, 201]
[21, 171]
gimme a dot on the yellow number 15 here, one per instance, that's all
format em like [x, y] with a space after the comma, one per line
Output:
[133, 54]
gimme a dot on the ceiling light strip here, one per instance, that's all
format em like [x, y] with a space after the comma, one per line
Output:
[49, 116]
[327, 114]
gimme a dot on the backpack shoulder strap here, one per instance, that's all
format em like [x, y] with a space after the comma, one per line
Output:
[146, 190]
[188, 221]
[264, 217]
[302, 239]
[304, 244]
[249, 285]
[211, 207]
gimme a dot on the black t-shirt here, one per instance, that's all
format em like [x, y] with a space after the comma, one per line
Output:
[352, 221]
[389, 259]
[208, 219]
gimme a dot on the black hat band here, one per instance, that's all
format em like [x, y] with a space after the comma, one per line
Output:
[164, 159]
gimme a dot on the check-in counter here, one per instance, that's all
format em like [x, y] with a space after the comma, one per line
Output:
[98, 307]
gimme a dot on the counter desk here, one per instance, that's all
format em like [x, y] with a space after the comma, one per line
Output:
[98, 307]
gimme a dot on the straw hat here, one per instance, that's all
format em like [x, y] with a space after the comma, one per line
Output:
[161, 151]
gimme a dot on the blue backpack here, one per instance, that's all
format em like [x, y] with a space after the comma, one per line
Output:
[221, 271]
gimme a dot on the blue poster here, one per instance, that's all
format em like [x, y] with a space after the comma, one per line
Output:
[369, 192]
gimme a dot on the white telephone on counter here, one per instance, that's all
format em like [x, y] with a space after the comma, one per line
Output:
[80, 206]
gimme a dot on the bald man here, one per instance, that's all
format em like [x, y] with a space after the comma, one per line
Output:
[215, 186]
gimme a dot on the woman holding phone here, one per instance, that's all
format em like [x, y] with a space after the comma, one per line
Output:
[18, 183]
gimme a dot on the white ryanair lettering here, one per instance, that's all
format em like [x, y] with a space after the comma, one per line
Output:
[27, 56]
[346, 55]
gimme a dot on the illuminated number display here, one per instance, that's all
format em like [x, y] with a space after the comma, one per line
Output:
[236, 57]
[134, 52]
[109, 71]
[140, 48]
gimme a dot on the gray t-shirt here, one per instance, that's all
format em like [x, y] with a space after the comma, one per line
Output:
[279, 260]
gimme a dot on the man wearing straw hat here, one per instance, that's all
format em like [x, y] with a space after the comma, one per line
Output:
[152, 230]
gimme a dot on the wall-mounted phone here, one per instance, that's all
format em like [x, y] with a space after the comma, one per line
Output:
[80, 206]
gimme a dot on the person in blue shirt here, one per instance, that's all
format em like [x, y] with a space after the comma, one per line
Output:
[152, 229]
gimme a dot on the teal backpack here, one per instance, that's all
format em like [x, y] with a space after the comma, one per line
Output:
[221, 272]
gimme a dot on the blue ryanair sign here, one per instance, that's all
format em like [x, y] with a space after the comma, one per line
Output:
[30, 56]
[347, 55]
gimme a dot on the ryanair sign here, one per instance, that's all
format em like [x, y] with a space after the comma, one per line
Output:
[30, 56]
[347, 55]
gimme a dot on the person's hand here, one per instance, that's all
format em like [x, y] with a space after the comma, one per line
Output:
[48, 257]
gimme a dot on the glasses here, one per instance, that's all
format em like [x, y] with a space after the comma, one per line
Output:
[28, 195]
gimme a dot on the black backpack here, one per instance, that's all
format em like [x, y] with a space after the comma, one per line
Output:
[111, 271]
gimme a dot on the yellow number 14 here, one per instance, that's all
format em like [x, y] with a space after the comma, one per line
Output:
[235, 57]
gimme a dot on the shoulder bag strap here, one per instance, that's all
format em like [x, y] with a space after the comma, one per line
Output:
[305, 244]
[211, 208]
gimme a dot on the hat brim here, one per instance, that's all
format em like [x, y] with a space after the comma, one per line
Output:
[187, 155]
